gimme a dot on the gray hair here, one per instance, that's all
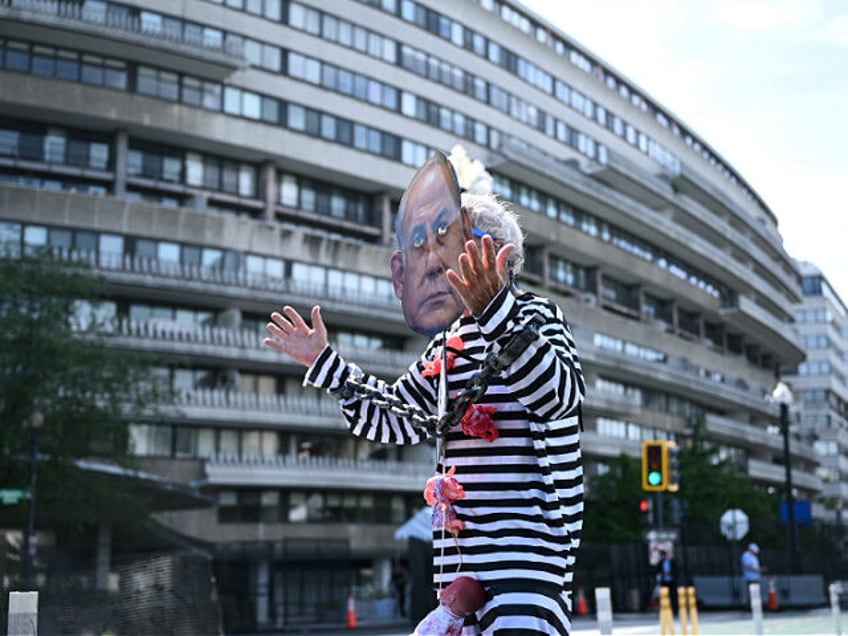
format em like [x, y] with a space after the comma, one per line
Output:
[491, 215]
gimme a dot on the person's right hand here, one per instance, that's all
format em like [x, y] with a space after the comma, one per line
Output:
[292, 336]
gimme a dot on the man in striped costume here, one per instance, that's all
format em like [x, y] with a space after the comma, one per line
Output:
[516, 456]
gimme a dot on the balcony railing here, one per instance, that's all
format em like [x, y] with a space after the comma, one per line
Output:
[164, 335]
[331, 472]
[127, 19]
[268, 403]
[109, 264]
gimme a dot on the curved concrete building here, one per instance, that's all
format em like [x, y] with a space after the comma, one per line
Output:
[219, 159]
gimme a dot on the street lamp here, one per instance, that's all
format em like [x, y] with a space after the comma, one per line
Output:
[783, 396]
[35, 421]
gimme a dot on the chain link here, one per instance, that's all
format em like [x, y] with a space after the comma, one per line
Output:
[474, 389]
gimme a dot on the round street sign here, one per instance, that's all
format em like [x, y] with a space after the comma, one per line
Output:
[734, 524]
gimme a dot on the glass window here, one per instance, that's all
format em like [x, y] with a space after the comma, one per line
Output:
[115, 74]
[92, 70]
[150, 440]
[212, 258]
[54, 145]
[251, 105]
[194, 169]
[146, 81]
[67, 66]
[289, 191]
[247, 181]
[205, 442]
[272, 58]
[172, 168]
[229, 177]
[43, 61]
[191, 91]
[17, 56]
[232, 100]
[328, 127]
[253, 52]
[270, 110]
[296, 117]
[169, 87]
[273, 10]
[98, 155]
[211, 96]
[229, 442]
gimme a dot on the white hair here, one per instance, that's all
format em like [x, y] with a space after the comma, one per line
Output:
[490, 214]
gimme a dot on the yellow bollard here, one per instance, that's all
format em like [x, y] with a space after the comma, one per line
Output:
[681, 608]
[693, 609]
[666, 617]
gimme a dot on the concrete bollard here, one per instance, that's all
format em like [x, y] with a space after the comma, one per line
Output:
[603, 601]
[835, 590]
[23, 614]
[756, 607]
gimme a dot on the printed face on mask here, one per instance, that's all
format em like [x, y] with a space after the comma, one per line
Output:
[431, 235]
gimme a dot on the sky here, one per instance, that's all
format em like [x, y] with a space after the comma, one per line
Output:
[763, 82]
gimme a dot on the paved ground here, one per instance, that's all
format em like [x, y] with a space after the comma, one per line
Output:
[814, 622]
[820, 622]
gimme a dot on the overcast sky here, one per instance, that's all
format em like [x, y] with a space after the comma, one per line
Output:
[765, 83]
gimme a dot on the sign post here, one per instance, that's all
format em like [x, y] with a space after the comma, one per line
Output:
[734, 526]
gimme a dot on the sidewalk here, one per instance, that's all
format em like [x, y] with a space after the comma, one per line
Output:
[802, 623]
[818, 622]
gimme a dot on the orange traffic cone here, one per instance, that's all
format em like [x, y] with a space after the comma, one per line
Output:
[772, 596]
[582, 605]
[351, 612]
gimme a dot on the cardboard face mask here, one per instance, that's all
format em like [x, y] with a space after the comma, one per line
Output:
[431, 232]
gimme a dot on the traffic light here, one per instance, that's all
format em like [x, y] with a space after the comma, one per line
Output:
[646, 512]
[654, 466]
[673, 452]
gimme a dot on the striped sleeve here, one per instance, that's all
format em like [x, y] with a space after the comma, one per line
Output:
[364, 418]
[547, 378]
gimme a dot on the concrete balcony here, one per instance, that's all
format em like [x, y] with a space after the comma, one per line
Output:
[622, 175]
[775, 474]
[222, 407]
[290, 471]
[175, 282]
[728, 430]
[236, 347]
[159, 40]
[760, 326]
[687, 377]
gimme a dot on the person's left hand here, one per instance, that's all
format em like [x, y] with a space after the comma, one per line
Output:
[482, 273]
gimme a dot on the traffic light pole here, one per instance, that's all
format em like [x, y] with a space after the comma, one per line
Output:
[659, 507]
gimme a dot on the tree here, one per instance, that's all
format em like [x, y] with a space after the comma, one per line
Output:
[56, 359]
[709, 486]
[612, 507]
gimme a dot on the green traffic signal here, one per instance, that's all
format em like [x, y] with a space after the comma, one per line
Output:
[654, 466]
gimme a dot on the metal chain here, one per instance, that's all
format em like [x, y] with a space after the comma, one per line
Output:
[474, 389]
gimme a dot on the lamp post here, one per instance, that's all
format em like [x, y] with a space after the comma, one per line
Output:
[35, 421]
[783, 396]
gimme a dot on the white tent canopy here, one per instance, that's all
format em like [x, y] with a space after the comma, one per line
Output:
[419, 526]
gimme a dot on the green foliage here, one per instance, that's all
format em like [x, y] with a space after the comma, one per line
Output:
[612, 508]
[709, 486]
[55, 358]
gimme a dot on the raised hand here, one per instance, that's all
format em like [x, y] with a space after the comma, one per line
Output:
[482, 273]
[292, 336]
